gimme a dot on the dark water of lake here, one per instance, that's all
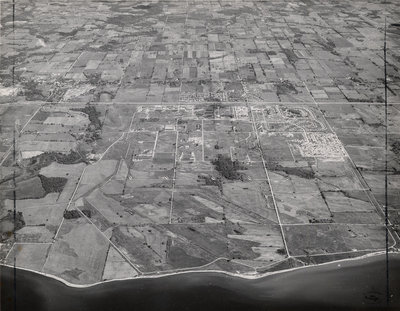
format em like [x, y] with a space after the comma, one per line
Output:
[354, 285]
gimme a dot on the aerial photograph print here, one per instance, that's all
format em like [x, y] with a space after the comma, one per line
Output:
[221, 155]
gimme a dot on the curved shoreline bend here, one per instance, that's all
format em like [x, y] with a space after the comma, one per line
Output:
[355, 284]
[236, 275]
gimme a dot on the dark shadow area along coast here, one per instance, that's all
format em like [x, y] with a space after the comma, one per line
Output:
[347, 285]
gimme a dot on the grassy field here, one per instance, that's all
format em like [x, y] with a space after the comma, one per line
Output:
[79, 253]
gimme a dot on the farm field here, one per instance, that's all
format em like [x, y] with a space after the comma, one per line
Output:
[197, 190]
[243, 137]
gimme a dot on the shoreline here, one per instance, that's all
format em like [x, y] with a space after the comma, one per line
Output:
[226, 273]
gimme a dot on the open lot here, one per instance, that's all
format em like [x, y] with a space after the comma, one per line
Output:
[29, 256]
[325, 239]
[79, 253]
